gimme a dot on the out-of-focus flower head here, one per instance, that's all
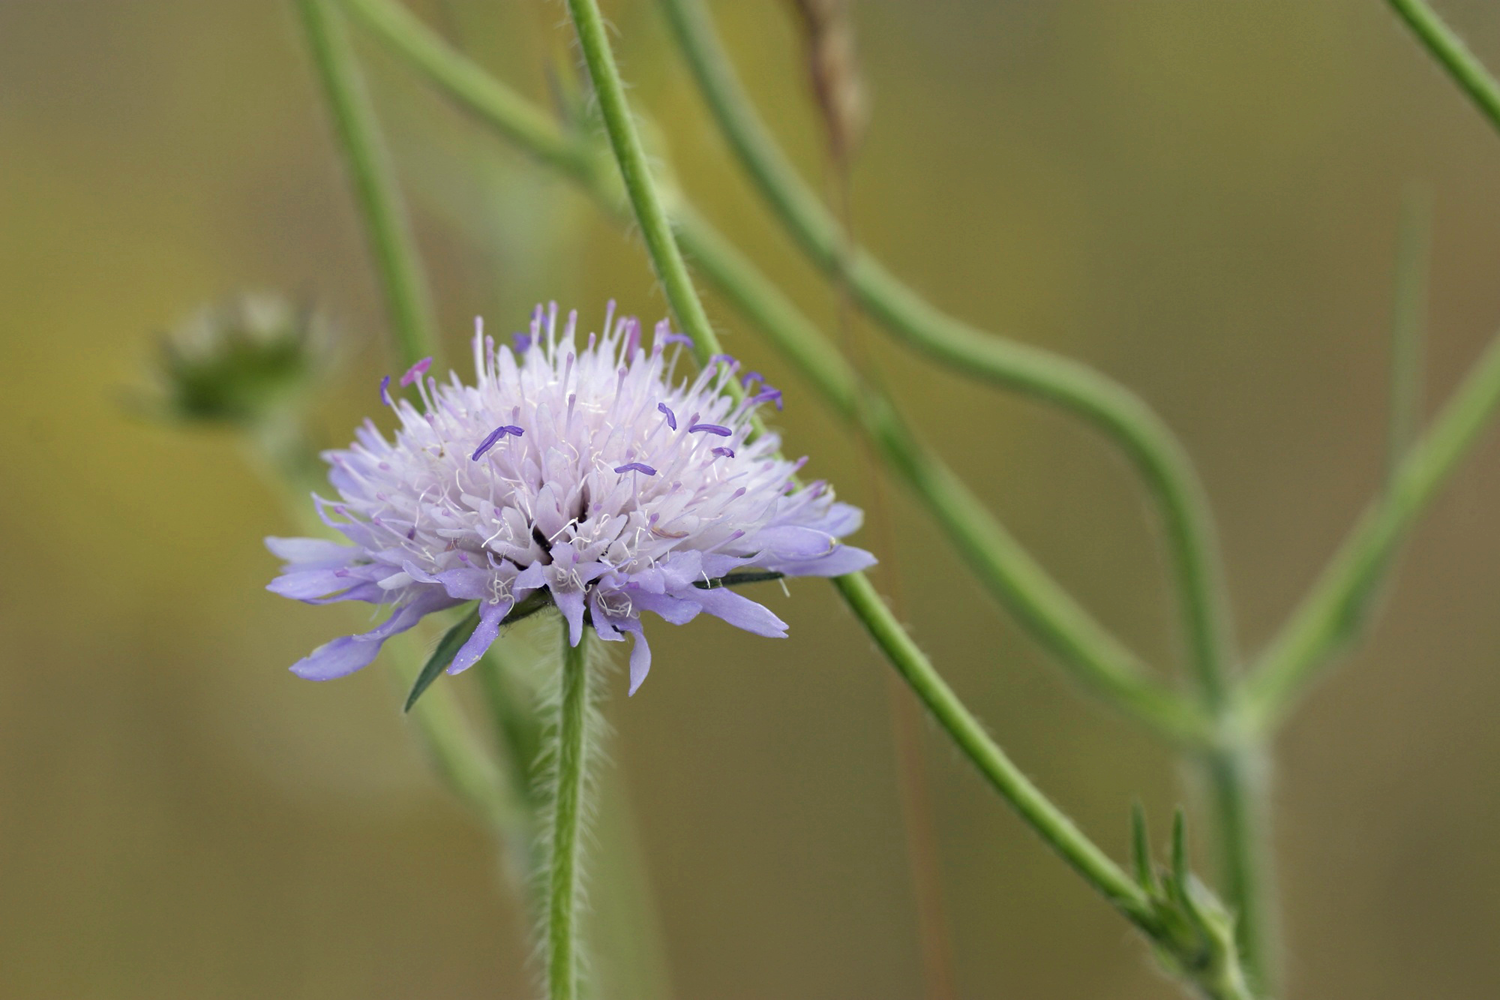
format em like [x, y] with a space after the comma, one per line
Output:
[240, 360]
[589, 478]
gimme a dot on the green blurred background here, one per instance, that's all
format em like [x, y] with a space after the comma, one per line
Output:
[1198, 196]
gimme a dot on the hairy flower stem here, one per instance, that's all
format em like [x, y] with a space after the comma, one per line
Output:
[563, 881]
[373, 180]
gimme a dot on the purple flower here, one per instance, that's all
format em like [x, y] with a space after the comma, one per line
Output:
[555, 477]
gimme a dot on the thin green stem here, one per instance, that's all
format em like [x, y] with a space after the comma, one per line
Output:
[1408, 325]
[1237, 776]
[567, 820]
[1008, 571]
[1035, 808]
[1450, 51]
[1333, 613]
[1113, 409]
[373, 180]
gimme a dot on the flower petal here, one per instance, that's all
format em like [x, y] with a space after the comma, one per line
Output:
[483, 636]
[307, 584]
[844, 559]
[741, 612]
[338, 658]
[570, 603]
[309, 550]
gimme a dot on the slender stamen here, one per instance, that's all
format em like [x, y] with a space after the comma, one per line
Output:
[718, 429]
[494, 436]
[671, 417]
[766, 395]
[385, 391]
[636, 467]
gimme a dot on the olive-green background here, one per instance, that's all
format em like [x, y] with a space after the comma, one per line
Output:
[1198, 196]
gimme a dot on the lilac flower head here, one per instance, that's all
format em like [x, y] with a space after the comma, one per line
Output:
[556, 478]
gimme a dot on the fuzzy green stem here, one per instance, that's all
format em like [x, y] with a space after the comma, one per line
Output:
[373, 180]
[567, 821]
[1110, 407]
[1007, 570]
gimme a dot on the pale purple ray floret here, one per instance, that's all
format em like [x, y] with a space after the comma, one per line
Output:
[562, 473]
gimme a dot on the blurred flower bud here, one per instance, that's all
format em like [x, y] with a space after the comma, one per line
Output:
[239, 361]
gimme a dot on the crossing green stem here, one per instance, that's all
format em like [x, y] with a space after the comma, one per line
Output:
[373, 180]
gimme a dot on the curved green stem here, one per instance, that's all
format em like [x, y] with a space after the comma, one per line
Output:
[1110, 407]
[1333, 612]
[1007, 570]
[563, 882]
[373, 180]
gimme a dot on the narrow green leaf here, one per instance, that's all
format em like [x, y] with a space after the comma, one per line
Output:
[1408, 326]
[1179, 854]
[1140, 847]
[446, 650]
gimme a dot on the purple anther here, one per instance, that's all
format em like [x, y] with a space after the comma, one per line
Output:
[727, 359]
[718, 429]
[416, 371]
[494, 436]
[385, 391]
[522, 342]
[749, 377]
[412, 534]
[674, 338]
[768, 394]
[636, 467]
[671, 417]
[724, 452]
